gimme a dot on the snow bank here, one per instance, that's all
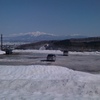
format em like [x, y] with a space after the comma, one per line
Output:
[39, 72]
[41, 82]
[85, 53]
[2, 52]
[40, 51]
[59, 52]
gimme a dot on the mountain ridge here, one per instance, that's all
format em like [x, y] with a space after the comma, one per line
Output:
[37, 36]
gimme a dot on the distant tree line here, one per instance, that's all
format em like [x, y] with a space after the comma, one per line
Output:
[86, 44]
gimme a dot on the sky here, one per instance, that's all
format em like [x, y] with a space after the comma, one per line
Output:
[59, 17]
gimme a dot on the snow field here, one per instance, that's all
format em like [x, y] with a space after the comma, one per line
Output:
[41, 82]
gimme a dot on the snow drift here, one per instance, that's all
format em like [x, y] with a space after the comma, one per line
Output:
[59, 52]
[2, 52]
[40, 82]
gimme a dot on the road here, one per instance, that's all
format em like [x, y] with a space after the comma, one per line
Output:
[87, 63]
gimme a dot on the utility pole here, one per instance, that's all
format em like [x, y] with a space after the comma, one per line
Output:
[1, 41]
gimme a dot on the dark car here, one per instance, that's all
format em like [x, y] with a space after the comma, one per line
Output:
[51, 57]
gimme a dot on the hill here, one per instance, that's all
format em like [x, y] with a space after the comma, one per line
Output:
[78, 44]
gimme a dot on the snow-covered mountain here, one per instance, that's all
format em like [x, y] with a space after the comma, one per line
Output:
[37, 36]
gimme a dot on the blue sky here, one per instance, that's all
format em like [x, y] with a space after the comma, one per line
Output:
[59, 17]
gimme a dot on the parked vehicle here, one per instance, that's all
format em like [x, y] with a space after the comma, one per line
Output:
[51, 57]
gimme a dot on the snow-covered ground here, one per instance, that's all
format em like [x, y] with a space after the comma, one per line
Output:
[40, 82]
